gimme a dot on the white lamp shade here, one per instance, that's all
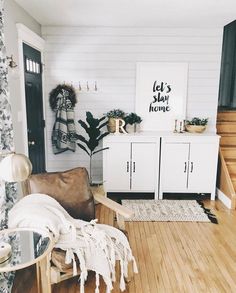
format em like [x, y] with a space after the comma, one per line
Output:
[15, 168]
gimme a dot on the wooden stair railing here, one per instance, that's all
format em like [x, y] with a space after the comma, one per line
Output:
[226, 128]
[225, 183]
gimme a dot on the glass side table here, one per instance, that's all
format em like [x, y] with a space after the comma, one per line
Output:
[28, 247]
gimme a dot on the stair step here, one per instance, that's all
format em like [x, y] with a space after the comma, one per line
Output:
[229, 152]
[234, 184]
[228, 134]
[228, 141]
[226, 122]
[230, 161]
[232, 169]
[231, 165]
[226, 116]
[228, 147]
[233, 177]
[226, 127]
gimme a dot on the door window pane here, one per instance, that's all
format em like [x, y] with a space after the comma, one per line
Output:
[32, 66]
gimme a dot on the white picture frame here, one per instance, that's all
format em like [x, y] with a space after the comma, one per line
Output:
[161, 93]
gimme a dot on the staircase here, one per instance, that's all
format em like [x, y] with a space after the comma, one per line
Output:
[226, 128]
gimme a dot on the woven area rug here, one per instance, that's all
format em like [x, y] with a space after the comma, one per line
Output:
[168, 211]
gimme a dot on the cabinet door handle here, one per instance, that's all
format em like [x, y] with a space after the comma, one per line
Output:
[133, 167]
[185, 167]
[127, 167]
[191, 167]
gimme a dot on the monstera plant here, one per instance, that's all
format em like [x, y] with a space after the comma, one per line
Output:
[90, 144]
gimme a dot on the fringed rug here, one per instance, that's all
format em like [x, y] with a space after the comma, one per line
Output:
[169, 211]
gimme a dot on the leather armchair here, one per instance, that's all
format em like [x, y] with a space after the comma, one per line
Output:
[72, 190]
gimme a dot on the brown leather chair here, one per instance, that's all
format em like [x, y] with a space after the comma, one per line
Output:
[72, 190]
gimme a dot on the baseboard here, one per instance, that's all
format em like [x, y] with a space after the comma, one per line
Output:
[223, 198]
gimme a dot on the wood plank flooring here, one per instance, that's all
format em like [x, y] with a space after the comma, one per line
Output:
[171, 257]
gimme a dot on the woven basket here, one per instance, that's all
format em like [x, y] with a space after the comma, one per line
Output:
[111, 126]
[195, 128]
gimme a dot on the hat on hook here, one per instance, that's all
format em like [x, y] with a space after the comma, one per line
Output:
[15, 168]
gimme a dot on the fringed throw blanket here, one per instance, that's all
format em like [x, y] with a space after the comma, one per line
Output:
[62, 101]
[97, 246]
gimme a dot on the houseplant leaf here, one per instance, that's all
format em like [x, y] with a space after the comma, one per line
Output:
[81, 138]
[93, 130]
[92, 122]
[83, 148]
[100, 150]
[103, 124]
[93, 143]
[102, 135]
[101, 119]
[84, 125]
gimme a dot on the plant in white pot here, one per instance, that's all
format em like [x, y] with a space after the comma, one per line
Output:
[112, 116]
[92, 127]
[132, 120]
[196, 125]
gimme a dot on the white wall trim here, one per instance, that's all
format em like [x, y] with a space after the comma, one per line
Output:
[25, 35]
[30, 37]
[223, 198]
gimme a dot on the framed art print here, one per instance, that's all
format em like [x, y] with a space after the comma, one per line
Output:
[161, 91]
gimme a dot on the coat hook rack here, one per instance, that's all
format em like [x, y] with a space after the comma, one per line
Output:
[84, 86]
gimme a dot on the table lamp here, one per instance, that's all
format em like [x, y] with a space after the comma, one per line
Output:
[5, 252]
[15, 167]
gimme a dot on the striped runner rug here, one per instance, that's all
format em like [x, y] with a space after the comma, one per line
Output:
[169, 211]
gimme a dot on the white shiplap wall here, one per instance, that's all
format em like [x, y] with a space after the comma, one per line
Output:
[109, 56]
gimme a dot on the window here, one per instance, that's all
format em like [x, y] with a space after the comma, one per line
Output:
[32, 66]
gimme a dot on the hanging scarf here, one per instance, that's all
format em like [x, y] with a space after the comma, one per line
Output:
[62, 101]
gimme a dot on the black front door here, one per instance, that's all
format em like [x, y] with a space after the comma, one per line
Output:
[34, 107]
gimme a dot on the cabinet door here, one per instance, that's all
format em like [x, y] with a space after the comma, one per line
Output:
[174, 167]
[117, 167]
[143, 166]
[202, 167]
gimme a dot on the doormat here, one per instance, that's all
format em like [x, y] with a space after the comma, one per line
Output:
[169, 211]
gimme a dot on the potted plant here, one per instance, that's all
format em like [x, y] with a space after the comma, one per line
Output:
[132, 119]
[112, 116]
[196, 125]
[93, 127]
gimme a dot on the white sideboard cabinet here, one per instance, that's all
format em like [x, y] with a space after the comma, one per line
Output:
[161, 162]
[189, 164]
[131, 164]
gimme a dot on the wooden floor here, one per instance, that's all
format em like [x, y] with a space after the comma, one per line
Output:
[172, 257]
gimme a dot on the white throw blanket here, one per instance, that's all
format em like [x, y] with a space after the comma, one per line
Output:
[97, 246]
